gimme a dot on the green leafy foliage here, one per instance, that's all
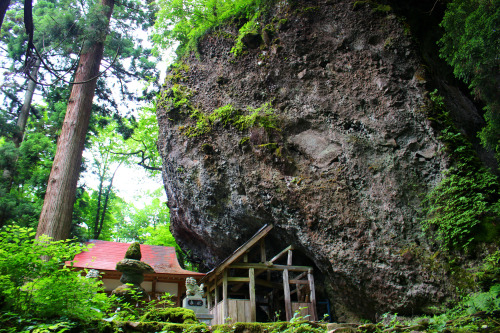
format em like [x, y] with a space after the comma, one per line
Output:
[28, 168]
[467, 199]
[181, 23]
[471, 44]
[136, 307]
[33, 282]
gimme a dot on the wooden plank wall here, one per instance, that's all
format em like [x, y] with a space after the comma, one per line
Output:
[305, 310]
[239, 311]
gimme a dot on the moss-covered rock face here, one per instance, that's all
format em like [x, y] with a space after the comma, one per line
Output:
[171, 315]
[134, 251]
[155, 326]
[297, 327]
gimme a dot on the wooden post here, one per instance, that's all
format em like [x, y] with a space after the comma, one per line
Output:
[225, 300]
[299, 293]
[314, 315]
[253, 304]
[245, 257]
[209, 298]
[289, 260]
[217, 297]
[286, 289]
[262, 250]
[180, 290]
[153, 287]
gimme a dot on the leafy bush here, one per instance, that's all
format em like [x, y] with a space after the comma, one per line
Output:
[471, 44]
[33, 282]
[466, 202]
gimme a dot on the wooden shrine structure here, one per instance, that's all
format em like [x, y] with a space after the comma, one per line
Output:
[249, 287]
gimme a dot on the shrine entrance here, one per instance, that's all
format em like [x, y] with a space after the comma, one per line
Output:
[248, 286]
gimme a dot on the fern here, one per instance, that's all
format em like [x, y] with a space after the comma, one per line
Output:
[181, 23]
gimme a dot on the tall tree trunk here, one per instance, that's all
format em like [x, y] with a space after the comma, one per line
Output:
[98, 212]
[4, 4]
[105, 207]
[55, 220]
[22, 119]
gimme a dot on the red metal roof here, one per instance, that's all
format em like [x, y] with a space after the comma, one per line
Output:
[104, 255]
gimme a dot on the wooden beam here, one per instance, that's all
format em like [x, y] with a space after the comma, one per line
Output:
[225, 300]
[314, 315]
[289, 259]
[238, 279]
[253, 305]
[299, 281]
[180, 289]
[153, 287]
[209, 299]
[217, 297]
[271, 266]
[297, 290]
[279, 255]
[262, 251]
[257, 273]
[301, 275]
[259, 282]
[242, 249]
[268, 284]
[286, 289]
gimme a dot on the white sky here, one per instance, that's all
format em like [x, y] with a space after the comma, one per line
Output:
[130, 183]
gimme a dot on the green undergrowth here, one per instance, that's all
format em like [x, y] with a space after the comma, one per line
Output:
[464, 208]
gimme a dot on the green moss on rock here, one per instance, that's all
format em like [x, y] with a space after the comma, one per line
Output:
[297, 327]
[133, 266]
[171, 315]
[134, 251]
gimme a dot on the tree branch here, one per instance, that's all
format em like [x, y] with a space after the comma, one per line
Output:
[60, 78]
[142, 163]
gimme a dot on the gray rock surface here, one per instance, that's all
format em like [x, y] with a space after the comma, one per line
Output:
[356, 155]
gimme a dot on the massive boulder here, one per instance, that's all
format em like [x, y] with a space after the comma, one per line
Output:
[343, 176]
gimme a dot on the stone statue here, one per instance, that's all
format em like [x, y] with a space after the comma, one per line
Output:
[93, 273]
[192, 288]
[133, 270]
[194, 301]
